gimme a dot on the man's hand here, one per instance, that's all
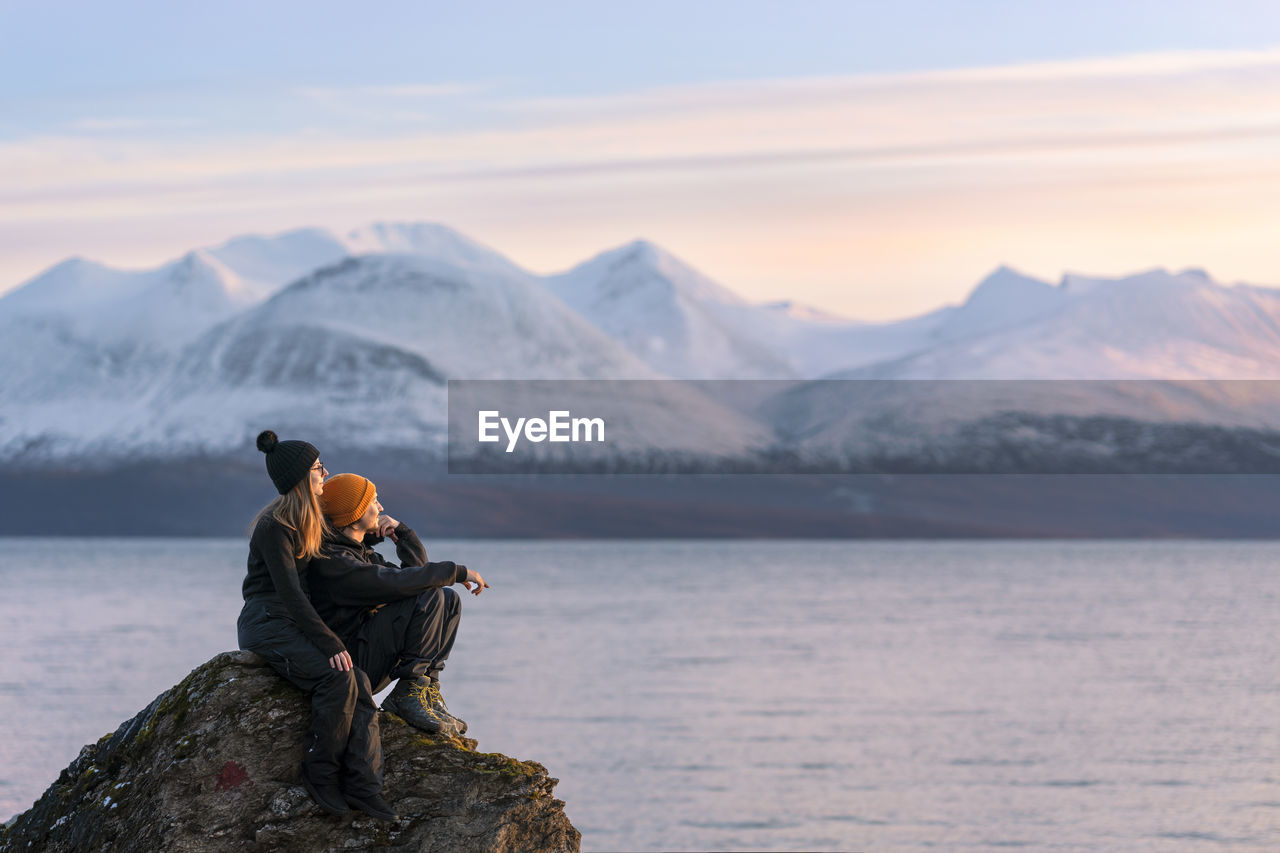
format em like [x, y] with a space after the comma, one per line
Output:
[342, 662]
[387, 526]
[473, 577]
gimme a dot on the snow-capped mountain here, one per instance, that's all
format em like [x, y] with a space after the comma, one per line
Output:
[685, 325]
[1174, 328]
[83, 330]
[204, 283]
[677, 320]
[1154, 325]
[469, 322]
[428, 240]
[1004, 299]
[169, 304]
[92, 303]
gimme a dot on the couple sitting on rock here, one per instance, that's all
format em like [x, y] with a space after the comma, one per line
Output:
[335, 618]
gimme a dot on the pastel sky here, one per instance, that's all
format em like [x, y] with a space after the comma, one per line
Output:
[872, 159]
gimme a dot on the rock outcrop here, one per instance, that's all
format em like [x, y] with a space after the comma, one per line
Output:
[212, 764]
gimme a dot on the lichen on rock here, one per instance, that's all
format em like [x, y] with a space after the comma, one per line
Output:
[212, 764]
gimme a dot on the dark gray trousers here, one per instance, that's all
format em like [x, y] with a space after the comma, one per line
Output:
[407, 637]
[344, 745]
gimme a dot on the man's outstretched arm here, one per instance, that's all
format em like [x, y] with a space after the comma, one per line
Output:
[348, 580]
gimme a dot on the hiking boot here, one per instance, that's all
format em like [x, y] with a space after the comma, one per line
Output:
[410, 700]
[327, 797]
[449, 724]
[372, 805]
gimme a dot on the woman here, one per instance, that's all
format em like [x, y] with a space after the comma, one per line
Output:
[342, 767]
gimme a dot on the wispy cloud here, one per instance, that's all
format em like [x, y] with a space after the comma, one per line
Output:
[775, 91]
[1097, 107]
[127, 123]
[329, 94]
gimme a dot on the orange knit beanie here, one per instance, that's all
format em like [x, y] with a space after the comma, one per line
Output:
[345, 498]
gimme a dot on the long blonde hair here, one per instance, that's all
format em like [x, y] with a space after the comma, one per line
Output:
[299, 510]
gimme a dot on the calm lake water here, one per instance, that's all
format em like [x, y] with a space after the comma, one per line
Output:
[762, 695]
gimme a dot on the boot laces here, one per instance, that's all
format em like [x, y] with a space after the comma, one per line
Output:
[436, 699]
[422, 694]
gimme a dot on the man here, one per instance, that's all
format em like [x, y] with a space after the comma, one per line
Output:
[400, 621]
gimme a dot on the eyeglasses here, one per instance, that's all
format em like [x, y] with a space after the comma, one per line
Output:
[319, 466]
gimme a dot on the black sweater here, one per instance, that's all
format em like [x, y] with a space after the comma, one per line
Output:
[275, 574]
[350, 580]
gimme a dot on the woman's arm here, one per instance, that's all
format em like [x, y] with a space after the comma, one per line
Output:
[275, 544]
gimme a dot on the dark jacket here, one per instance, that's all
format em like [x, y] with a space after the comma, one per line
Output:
[280, 578]
[349, 581]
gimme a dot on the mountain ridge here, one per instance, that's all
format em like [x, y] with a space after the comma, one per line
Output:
[191, 355]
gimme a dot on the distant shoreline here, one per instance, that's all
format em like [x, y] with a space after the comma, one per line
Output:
[214, 500]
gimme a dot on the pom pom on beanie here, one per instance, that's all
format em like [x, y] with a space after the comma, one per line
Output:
[267, 441]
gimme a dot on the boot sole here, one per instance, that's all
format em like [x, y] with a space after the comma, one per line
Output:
[360, 806]
[316, 798]
[393, 709]
[455, 729]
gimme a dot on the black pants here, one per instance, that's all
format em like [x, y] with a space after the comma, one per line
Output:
[344, 746]
[408, 637]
